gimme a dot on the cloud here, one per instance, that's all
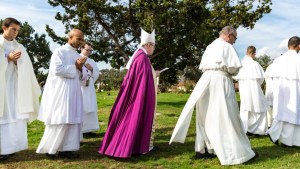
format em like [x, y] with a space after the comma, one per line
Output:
[271, 33]
[36, 13]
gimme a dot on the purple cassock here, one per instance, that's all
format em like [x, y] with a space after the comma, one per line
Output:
[130, 122]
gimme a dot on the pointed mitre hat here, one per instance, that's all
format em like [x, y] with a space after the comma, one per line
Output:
[146, 37]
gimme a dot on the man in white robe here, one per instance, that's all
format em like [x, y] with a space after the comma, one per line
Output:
[61, 107]
[218, 125]
[19, 91]
[254, 105]
[90, 107]
[286, 96]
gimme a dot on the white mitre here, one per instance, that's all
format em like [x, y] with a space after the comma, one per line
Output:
[145, 38]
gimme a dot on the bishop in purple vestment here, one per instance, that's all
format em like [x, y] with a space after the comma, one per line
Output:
[130, 122]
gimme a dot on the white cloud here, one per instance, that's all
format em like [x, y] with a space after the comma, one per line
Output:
[273, 52]
[271, 33]
[36, 13]
[263, 51]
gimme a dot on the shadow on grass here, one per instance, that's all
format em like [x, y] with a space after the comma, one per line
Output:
[272, 152]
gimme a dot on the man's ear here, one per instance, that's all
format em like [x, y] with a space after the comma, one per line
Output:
[3, 28]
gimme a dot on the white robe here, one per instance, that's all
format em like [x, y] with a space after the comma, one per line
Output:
[218, 125]
[286, 98]
[61, 105]
[269, 95]
[19, 98]
[90, 107]
[254, 105]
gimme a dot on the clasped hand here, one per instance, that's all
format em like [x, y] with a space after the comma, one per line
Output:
[14, 56]
[80, 62]
[89, 67]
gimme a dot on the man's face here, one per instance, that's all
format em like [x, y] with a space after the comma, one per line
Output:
[11, 32]
[232, 38]
[298, 48]
[87, 50]
[150, 48]
[76, 40]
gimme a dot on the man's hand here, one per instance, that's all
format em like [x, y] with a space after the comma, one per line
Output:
[157, 73]
[88, 66]
[14, 56]
[80, 62]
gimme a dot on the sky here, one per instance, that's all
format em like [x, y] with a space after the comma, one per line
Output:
[269, 36]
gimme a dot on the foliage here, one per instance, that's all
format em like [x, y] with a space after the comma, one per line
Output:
[111, 79]
[37, 47]
[183, 27]
[264, 61]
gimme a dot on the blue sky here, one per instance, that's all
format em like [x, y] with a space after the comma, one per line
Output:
[269, 35]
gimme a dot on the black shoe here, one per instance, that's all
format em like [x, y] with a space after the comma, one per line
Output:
[10, 155]
[276, 142]
[199, 155]
[205, 155]
[89, 134]
[253, 135]
[51, 156]
[249, 134]
[68, 154]
[208, 155]
[154, 149]
[4, 157]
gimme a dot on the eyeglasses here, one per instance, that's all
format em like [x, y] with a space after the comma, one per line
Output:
[234, 36]
[152, 44]
[89, 50]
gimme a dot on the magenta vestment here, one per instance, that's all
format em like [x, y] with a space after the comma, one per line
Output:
[130, 122]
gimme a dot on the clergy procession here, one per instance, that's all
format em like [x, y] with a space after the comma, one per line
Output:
[68, 105]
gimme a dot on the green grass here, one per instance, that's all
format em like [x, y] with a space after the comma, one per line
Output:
[176, 155]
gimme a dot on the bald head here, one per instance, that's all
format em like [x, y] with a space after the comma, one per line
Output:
[75, 38]
[74, 32]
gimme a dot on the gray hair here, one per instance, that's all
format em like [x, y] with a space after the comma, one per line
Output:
[227, 30]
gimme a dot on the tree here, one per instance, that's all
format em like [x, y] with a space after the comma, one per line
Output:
[37, 48]
[111, 79]
[183, 27]
[264, 61]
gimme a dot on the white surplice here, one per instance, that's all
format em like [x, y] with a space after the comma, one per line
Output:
[286, 99]
[61, 105]
[254, 105]
[19, 97]
[218, 124]
[90, 107]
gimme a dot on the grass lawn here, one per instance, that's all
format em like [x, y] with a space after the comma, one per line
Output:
[176, 155]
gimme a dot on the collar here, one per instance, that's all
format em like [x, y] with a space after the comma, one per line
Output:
[144, 50]
[70, 47]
